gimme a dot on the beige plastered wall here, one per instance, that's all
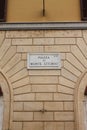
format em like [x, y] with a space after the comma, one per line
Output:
[32, 10]
[56, 91]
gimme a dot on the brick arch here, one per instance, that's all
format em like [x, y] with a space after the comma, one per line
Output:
[79, 99]
[7, 99]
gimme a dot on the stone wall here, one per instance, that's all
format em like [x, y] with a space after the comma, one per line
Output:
[35, 90]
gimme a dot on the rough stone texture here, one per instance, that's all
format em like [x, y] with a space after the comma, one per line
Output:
[43, 79]
[43, 99]
[53, 106]
[54, 126]
[22, 42]
[57, 48]
[47, 116]
[68, 106]
[64, 116]
[2, 37]
[33, 106]
[29, 49]
[23, 116]
[43, 41]
[33, 126]
[17, 125]
[44, 88]
[69, 126]
[65, 41]
[18, 106]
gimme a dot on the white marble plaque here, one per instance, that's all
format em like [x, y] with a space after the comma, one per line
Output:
[43, 61]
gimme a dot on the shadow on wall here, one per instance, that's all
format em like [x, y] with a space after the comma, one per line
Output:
[1, 109]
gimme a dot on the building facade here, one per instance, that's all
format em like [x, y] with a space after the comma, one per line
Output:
[43, 99]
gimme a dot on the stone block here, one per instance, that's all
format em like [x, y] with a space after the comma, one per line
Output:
[44, 88]
[44, 96]
[12, 62]
[23, 116]
[57, 48]
[64, 116]
[64, 89]
[33, 126]
[21, 82]
[15, 69]
[53, 106]
[37, 33]
[16, 34]
[63, 33]
[46, 116]
[19, 75]
[62, 56]
[8, 56]
[68, 75]
[84, 32]
[73, 60]
[2, 37]
[54, 126]
[18, 106]
[43, 79]
[22, 90]
[78, 54]
[63, 97]
[66, 82]
[30, 49]
[23, 34]
[69, 126]
[43, 41]
[33, 106]
[44, 72]
[71, 68]
[24, 56]
[68, 106]
[82, 45]
[65, 41]
[22, 41]
[4, 47]
[17, 126]
[24, 97]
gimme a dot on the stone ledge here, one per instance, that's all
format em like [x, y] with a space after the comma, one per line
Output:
[43, 26]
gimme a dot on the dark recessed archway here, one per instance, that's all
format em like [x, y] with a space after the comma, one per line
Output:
[80, 94]
[85, 92]
[1, 93]
[1, 109]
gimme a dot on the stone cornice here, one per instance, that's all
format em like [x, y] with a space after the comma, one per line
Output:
[44, 26]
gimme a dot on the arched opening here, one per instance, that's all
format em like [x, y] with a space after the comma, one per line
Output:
[81, 103]
[5, 103]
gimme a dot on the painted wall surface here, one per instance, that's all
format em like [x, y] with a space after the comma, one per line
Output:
[31, 10]
[37, 90]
